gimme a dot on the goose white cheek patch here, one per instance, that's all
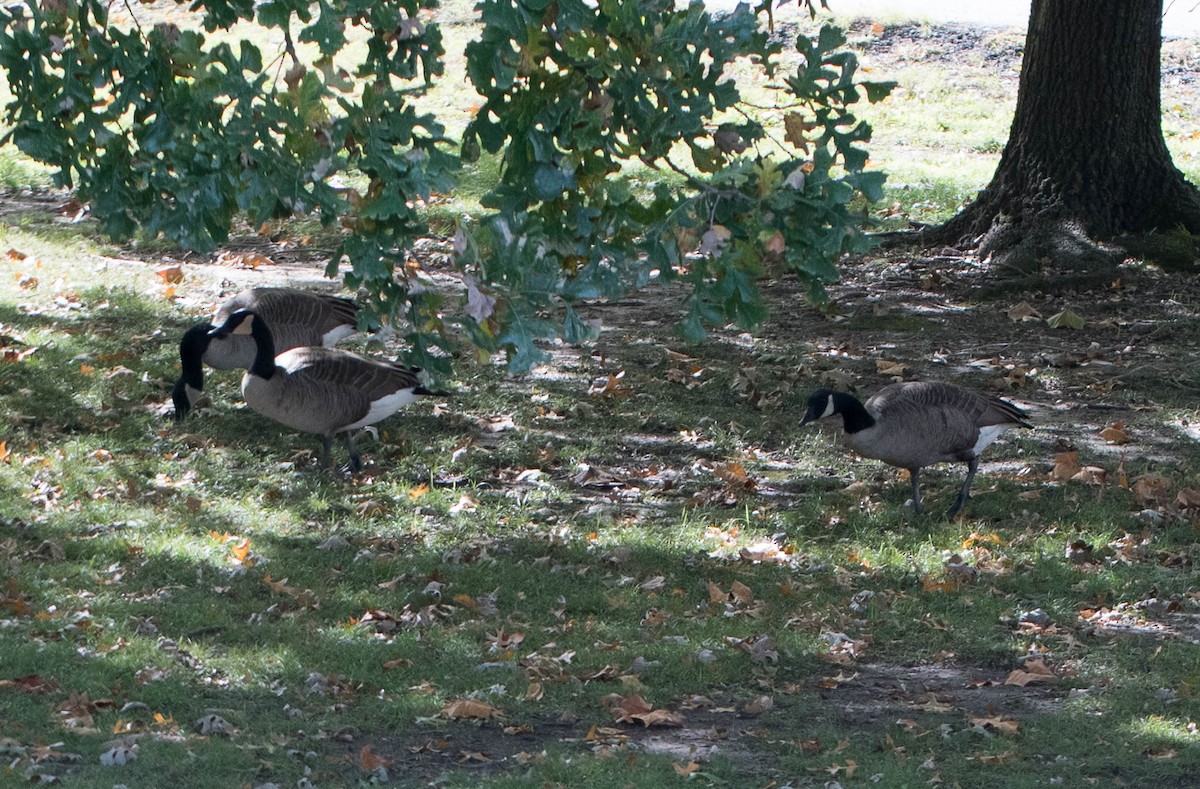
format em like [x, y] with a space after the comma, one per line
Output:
[828, 407]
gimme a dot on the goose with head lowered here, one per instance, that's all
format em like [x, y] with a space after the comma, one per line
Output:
[916, 424]
[297, 318]
[326, 391]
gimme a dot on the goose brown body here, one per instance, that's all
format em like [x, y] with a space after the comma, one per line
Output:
[327, 391]
[916, 424]
[320, 390]
[297, 318]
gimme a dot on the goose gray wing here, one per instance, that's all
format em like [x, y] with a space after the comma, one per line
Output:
[303, 401]
[374, 378]
[921, 423]
[295, 317]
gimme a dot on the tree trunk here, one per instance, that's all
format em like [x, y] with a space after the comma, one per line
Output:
[1085, 158]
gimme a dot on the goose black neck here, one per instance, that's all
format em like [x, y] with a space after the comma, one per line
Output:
[191, 352]
[855, 416]
[264, 354]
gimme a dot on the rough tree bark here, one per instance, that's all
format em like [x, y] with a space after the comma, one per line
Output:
[1086, 161]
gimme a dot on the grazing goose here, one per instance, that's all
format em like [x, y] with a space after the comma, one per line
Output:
[296, 318]
[916, 424]
[320, 390]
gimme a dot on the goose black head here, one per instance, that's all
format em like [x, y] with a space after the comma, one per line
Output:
[821, 403]
[239, 322]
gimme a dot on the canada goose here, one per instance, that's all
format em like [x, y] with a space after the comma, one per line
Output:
[916, 424]
[320, 390]
[296, 318]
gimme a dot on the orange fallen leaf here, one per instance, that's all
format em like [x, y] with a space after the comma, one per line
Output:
[170, 275]
[241, 553]
[1066, 465]
[369, 761]
[1115, 433]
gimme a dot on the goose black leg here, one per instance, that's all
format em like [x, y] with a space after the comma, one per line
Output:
[913, 474]
[326, 451]
[355, 464]
[965, 492]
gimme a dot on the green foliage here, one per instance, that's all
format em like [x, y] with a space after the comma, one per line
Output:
[170, 132]
[178, 132]
[577, 96]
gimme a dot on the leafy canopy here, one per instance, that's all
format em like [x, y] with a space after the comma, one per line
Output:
[628, 154]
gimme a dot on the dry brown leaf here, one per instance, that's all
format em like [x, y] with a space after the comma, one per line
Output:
[369, 761]
[1023, 312]
[758, 706]
[610, 386]
[658, 718]
[1116, 433]
[994, 723]
[1187, 499]
[1034, 671]
[889, 367]
[685, 769]
[470, 709]
[1149, 490]
[1092, 475]
[741, 593]
[1066, 465]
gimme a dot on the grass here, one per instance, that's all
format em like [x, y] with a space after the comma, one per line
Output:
[549, 553]
[176, 572]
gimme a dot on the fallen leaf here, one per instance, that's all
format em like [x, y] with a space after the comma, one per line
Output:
[1066, 466]
[369, 761]
[658, 718]
[1023, 312]
[997, 724]
[170, 275]
[213, 724]
[1066, 319]
[1115, 433]
[1149, 490]
[470, 709]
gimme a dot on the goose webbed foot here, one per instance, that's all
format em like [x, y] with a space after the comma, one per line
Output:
[354, 465]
